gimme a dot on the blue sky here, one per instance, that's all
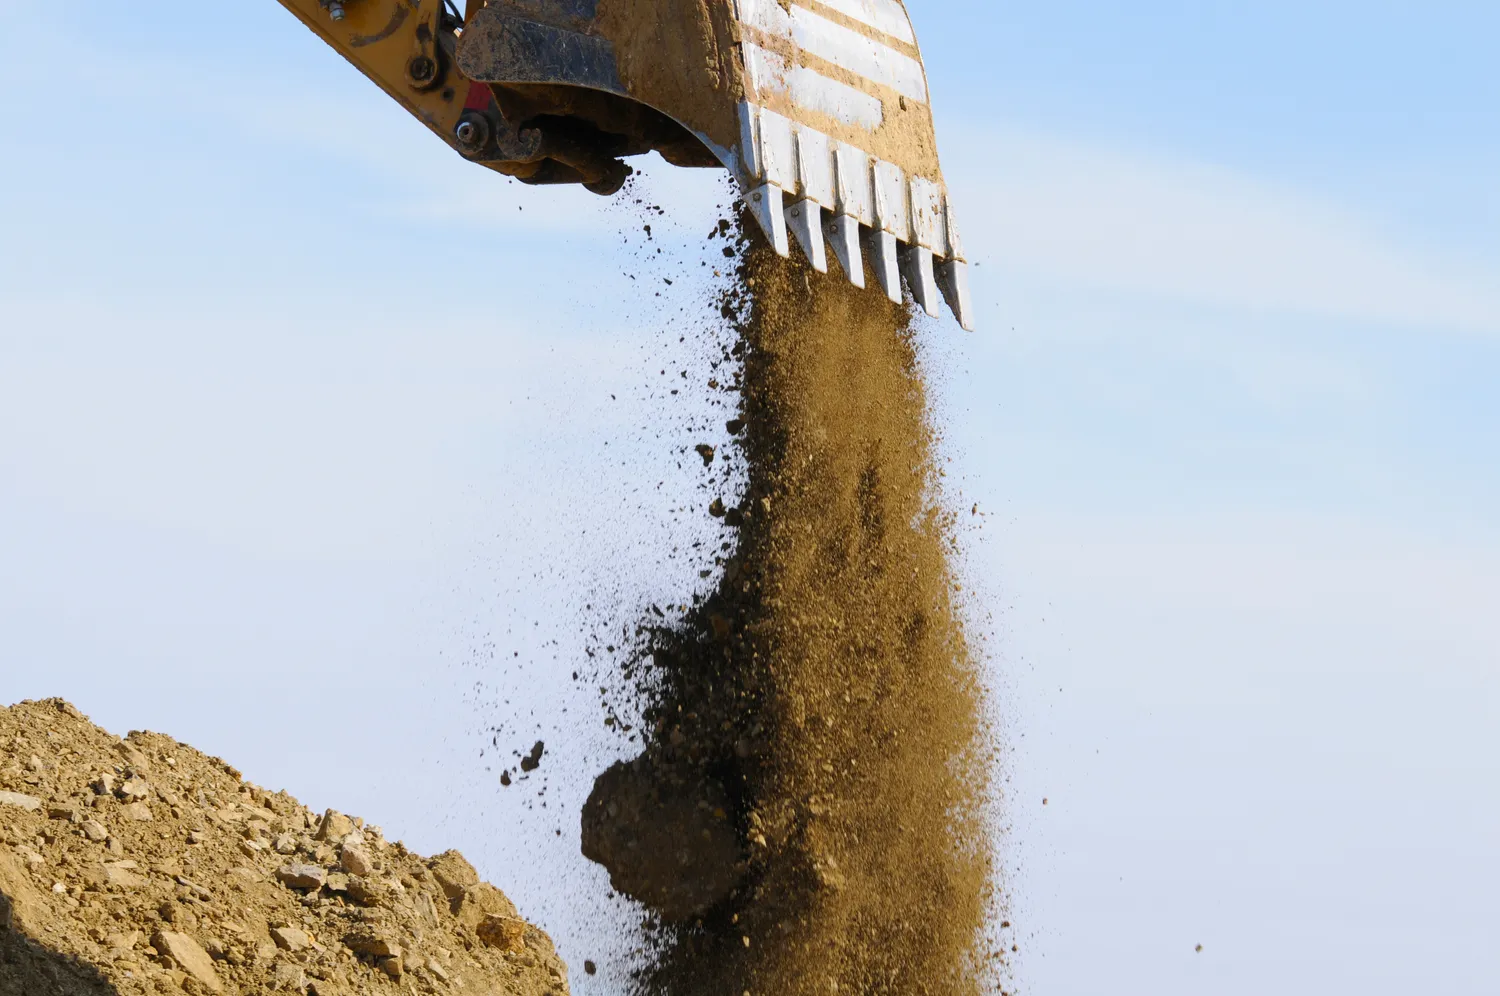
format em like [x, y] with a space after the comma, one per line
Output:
[302, 426]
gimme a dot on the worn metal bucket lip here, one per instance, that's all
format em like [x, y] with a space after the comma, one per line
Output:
[783, 162]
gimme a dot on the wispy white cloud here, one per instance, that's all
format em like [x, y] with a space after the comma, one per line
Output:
[1096, 217]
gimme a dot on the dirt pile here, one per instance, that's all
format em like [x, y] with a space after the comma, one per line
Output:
[808, 814]
[142, 866]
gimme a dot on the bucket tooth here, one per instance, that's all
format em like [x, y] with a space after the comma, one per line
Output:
[765, 205]
[916, 265]
[953, 278]
[882, 248]
[842, 233]
[804, 219]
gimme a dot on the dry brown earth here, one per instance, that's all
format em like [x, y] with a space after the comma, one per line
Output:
[141, 866]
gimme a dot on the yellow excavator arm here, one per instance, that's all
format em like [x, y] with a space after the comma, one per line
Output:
[819, 108]
[405, 47]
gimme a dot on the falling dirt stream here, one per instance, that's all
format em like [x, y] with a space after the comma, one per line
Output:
[808, 815]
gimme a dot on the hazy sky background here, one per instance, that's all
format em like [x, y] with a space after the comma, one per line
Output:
[303, 426]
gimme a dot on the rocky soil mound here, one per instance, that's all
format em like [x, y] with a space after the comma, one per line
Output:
[141, 866]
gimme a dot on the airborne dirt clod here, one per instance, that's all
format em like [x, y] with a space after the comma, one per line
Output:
[141, 866]
[807, 816]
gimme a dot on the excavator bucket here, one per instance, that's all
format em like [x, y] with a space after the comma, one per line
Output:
[819, 108]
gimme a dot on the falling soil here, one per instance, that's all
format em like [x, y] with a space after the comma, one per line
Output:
[808, 814]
